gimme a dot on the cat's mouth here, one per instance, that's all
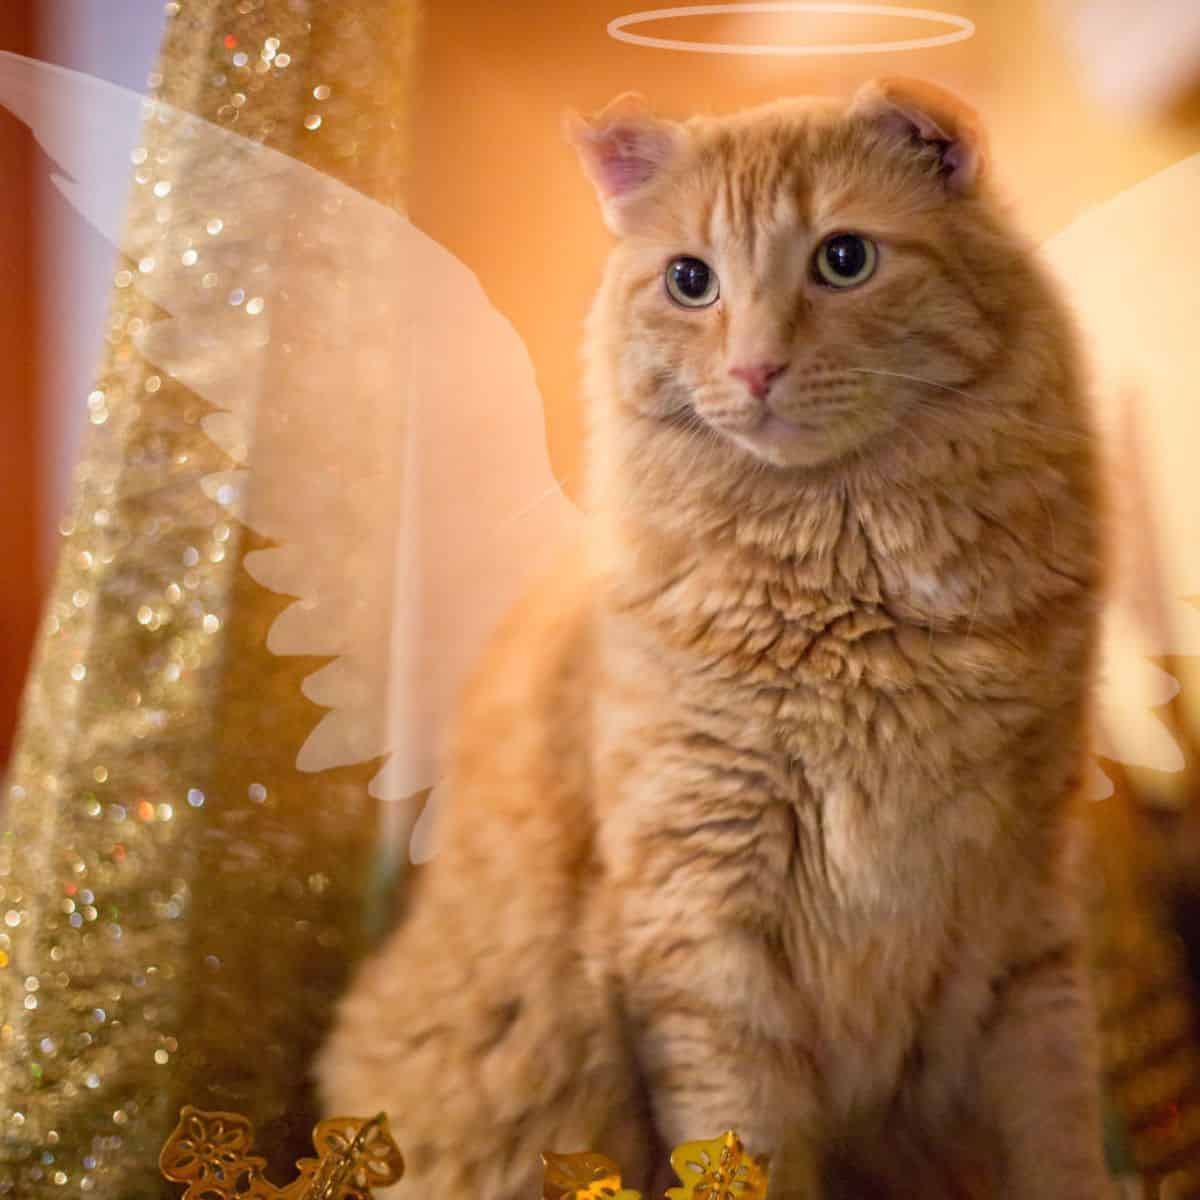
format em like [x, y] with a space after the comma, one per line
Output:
[809, 438]
[774, 428]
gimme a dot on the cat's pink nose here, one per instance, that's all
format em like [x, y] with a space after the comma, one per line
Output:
[758, 377]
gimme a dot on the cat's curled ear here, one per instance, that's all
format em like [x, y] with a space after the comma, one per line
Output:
[914, 111]
[623, 148]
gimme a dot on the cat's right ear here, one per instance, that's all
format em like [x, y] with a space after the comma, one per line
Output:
[624, 149]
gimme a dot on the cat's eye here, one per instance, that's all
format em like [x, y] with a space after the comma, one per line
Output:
[692, 283]
[845, 260]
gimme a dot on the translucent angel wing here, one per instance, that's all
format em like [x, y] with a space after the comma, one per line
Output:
[1128, 265]
[386, 424]
[382, 417]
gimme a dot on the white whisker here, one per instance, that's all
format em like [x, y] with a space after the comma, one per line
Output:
[1017, 418]
[944, 387]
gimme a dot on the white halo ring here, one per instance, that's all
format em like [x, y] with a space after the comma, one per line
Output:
[961, 28]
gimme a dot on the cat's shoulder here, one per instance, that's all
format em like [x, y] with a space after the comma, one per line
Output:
[545, 635]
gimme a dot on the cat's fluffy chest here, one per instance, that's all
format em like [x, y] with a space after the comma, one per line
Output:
[815, 918]
[782, 660]
[788, 784]
[836, 790]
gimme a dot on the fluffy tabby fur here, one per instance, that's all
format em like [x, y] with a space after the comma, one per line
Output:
[762, 810]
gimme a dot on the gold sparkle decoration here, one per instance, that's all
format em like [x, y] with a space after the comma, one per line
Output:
[210, 1153]
[157, 831]
[718, 1170]
[584, 1176]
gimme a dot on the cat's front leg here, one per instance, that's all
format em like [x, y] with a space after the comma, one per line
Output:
[1039, 1079]
[705, 1078]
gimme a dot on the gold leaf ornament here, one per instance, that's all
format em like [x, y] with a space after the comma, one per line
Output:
[583, 1177]
[210, 1152]
[718, 1170]
[354, 1157]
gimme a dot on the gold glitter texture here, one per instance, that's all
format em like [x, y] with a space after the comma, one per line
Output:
[172, 889]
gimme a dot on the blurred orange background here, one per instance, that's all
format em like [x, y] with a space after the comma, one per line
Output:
[495, 182]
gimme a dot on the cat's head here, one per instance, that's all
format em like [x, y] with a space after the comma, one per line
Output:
[802, 280]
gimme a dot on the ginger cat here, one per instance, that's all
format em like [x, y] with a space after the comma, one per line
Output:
[761, 809]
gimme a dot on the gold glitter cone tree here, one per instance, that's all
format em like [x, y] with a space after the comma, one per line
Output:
[177, 901]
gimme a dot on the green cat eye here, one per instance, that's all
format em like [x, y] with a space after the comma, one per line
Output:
[845, 260]
[692, 283]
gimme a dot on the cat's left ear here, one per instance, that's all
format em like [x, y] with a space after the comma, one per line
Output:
[624, 150]
[914, 111]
